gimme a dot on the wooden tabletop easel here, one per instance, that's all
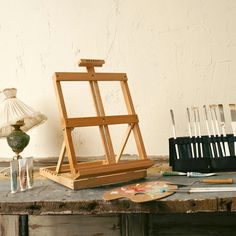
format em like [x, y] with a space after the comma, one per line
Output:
[77, 175]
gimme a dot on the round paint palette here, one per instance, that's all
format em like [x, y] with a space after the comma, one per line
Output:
[142, 192]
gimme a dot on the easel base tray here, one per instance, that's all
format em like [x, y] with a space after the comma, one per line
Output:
[66, 179]
[97, 173]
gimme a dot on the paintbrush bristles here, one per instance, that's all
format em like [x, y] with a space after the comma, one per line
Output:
[233, 111]
[205, 111]
[213, 115]
[221, 110]
[172, 116]
[188, 115]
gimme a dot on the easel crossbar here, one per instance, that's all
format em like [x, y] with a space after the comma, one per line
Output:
[97, 121]
[81, 76]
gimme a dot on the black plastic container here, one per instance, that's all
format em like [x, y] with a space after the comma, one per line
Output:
[207, 162]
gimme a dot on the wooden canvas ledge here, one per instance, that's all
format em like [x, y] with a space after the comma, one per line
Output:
[113, 169]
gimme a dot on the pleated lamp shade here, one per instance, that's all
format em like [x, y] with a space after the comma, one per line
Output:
[13, 110]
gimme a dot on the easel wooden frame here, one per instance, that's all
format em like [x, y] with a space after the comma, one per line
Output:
[111, 170]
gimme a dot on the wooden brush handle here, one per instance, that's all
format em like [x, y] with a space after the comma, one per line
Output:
[217, 181]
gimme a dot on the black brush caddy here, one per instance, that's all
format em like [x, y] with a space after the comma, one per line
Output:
[207, 162]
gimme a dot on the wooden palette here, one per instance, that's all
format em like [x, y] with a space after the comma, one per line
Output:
[142, 192]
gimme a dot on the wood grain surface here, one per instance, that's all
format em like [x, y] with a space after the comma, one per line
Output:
[48, 197]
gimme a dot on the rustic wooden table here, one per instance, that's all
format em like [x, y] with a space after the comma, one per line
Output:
[49, 198]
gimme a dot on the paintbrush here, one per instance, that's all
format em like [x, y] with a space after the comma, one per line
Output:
[188, 174]
[195, 129]
[199, 129]
[207, 181]
[208, 130]
[232, 108]
[217, 128]
[204, 190]
[190, 131]
[174, 132]
[213, 130]
[222, 125]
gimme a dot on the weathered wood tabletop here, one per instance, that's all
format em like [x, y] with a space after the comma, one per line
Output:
[48, 198]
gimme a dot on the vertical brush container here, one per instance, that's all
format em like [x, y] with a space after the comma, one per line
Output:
[210, 159]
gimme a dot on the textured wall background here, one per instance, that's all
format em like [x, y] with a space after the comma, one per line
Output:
[177, 53]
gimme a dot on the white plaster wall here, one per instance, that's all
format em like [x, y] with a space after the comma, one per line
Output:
[176, 53]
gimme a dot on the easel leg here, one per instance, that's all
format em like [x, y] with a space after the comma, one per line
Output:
[136, 129]
[126, 137]
[70, 151]
[139, 142]
[61, 157]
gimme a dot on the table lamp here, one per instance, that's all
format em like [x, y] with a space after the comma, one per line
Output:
[15, 118]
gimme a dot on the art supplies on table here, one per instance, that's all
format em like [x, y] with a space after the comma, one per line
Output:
[30, 172]
[222, 125]
[23, 170]
[233, 120]
[142, 192]
[154, 190]
[204, 190]
[198, 152]
[174, 132]
[13, 175]
[22, 174]
[190, 132]
[188, 174]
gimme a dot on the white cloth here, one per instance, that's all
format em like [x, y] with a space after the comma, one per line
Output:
[12, 110]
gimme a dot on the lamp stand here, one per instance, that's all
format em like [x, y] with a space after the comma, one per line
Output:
[18, 139]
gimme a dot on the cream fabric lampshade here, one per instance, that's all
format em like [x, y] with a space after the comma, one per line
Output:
[12, 110]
